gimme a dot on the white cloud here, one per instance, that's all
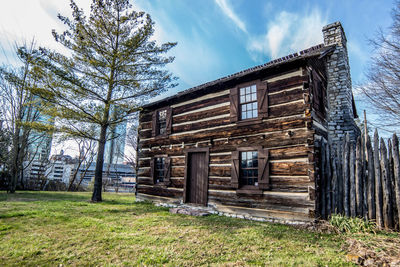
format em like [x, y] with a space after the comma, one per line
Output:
[228, 11]
[193, 53]
[287, 33]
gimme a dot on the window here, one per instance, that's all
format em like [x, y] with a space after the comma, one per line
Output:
[249, 168]
[162, 122]
[159, 169]
[248, 102]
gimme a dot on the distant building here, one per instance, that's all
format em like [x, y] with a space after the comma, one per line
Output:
[61, 168]
[38, 151]
[113, 174]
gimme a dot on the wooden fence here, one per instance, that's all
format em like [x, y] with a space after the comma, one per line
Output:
[360, 179]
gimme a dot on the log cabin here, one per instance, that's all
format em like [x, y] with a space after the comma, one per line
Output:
[246, 144]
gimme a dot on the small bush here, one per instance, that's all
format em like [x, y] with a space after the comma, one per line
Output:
[352, 225]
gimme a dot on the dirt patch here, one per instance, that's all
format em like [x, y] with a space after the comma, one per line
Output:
[374, 251]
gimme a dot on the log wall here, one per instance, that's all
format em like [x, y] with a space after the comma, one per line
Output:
[288, 133]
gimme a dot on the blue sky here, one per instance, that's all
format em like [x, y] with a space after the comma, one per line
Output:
[219, 37]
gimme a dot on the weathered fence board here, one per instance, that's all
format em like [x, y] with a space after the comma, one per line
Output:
[378, 182]
[387, 207]
[359, 178]
[371, 181]
[396, 175]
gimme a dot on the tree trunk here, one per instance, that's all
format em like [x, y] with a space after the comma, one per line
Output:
[14, 163]
[98, 175]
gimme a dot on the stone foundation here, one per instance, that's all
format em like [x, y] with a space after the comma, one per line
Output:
[233, 212]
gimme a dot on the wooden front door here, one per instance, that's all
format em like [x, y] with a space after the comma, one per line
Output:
[196, 177]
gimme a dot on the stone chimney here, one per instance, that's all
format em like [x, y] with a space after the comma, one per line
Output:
[339, 92]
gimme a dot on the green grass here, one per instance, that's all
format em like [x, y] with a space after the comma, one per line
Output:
[49, 229]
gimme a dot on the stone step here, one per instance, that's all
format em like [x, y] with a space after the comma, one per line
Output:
[189, 211]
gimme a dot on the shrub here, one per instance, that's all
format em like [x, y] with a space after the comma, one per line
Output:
[352, 225]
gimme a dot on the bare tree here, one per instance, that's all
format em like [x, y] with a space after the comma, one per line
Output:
[87, 153]
[19, 111]
[382, 88]
[131, 143]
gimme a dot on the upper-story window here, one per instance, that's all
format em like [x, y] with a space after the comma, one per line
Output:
[162, 122]
[248, 102]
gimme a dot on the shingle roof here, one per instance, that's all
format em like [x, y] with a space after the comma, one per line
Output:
[318, 50]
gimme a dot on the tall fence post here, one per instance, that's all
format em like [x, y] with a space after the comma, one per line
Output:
[396, 174]
[378, 181]
[387, 207]
[328, 180]
[352, 164]
[359, 179]
[346, 176]
[340, 182]
[392, 182]
[334, 184]
[323, 180]
[364, 178]
[371, 181]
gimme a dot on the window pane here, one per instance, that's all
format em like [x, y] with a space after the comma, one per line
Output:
[254, 106]
[242, 91]
[255, 113]
[244, 115]
[243, 164]
[248, 98]
[248, 90]
[250, 163]
[249, 155]
[249, 114]
[244, 107]
[253, 89]
[242, 99]
[255, 155]
[253, 97]
[255, 163]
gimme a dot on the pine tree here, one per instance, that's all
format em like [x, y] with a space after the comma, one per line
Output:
[110, 67]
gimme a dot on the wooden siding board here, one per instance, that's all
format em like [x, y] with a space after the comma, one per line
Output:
[229, 131]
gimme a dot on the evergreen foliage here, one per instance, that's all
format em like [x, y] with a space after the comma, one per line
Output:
[110, 67]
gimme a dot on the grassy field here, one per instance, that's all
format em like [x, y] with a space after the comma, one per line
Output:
[49, 228]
